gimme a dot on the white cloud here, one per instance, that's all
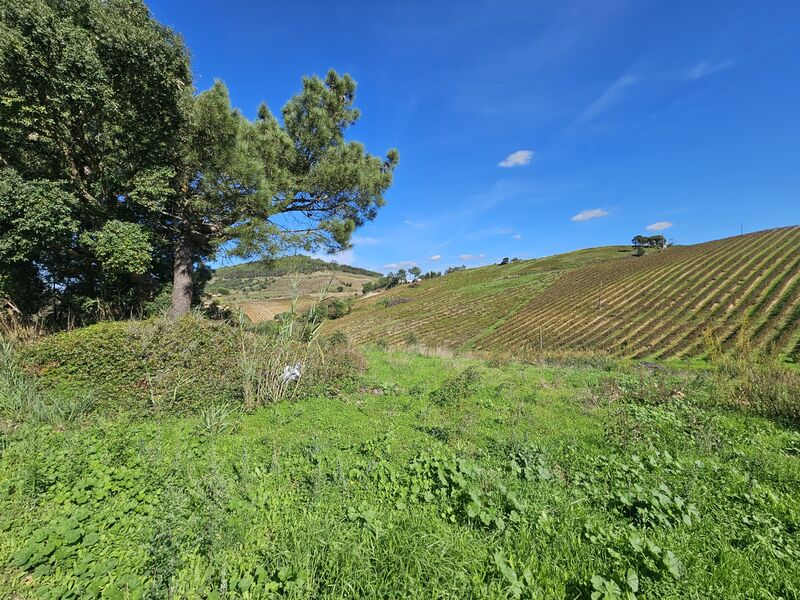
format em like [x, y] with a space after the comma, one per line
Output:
[466, 257]
[517, 236]
[660, 226]
[607, 99]
[517, 159]
[587, 215]
[400, 264]
[435, 257]
[704, 69]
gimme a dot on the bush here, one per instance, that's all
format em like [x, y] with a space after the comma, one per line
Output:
[389, 302]
[331, 308]
[457, 387]
[152, 364]
[337, 339]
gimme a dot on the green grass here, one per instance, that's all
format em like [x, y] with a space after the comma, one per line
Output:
[538, 481]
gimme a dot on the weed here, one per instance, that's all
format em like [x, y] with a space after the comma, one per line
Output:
[456, 388]
[218, 419]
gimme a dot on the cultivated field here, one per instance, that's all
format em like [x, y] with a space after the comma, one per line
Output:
[660, 305]
[458, 309]
[262, 298]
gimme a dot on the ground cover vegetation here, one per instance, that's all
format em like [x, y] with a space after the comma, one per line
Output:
[420, 477]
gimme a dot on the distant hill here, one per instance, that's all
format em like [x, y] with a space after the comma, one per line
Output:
[286, 265]
[264, 289]
[659, 305]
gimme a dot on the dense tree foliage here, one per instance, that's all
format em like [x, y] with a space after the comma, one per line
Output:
[91, 96]
[654, 241]
[115, 177]
[449, 270]
[285, 265]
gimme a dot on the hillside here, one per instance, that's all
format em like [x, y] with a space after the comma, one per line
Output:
[458, 309]
[263, 289]
[659, 305]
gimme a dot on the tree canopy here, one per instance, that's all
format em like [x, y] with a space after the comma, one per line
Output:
[644, 241]
[116, 178]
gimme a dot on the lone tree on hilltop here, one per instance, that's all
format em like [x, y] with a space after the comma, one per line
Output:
[415, 272]
[640, 242]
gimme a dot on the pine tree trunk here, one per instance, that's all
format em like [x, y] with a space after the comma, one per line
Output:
[182, 278]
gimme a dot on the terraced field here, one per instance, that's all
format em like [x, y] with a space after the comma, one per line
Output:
[659, 305]
[458, 309]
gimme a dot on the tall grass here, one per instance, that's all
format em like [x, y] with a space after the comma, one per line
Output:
[266, 360]
[23, 399]
[15, 326]
[753, 380]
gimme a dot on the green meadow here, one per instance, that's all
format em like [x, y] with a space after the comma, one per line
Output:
[423, 477]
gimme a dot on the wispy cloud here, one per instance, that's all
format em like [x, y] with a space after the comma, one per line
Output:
[517, 236]
[359, 240]
[705, 68]
[435, 257]
[345, 257]
[608, 98]
[659, 226]
[588, 215]
[400, 264]
[468, 257]
[517, 159]
[415, 224]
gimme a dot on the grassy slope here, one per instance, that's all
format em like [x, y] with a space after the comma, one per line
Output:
[264, 290]
[459, 309]
[659, 305]
[307, 499]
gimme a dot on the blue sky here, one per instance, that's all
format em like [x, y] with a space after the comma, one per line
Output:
[534, 127]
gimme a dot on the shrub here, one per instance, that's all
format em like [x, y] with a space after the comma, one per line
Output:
[331, 308]
[150, 364]
[337, 338]
[389, 302]
[457, 387]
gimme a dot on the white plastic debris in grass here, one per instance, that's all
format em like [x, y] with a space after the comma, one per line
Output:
[291, 373]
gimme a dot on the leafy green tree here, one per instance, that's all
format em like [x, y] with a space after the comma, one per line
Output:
[415, 272]
[92, 95]
[128, 179]
[261, 187]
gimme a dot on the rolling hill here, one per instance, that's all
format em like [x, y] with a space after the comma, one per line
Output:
[659, 305]
[263, 290]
